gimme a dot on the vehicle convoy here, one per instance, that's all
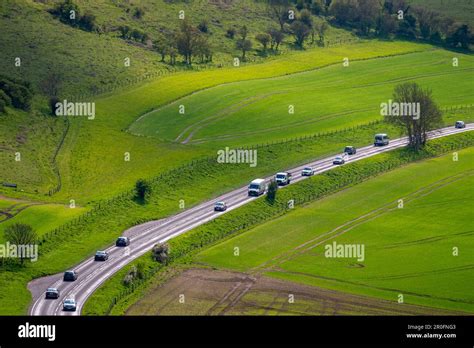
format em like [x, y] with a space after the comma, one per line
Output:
[52, 293]
[257, 187]
[307, 171]
[283, 178]
[70, 276]
[339, 160]
[350, 150]
[460, 124]
[101, 255]
[69, 304]
[122, 242]
[381, 139]
[220, 206]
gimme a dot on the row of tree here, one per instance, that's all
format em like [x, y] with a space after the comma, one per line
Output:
[189, 42]
[396, 17]
[296, 18]
[369, 17]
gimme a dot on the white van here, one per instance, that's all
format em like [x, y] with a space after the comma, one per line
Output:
[283, 178]
[257, 187]
[381, 139]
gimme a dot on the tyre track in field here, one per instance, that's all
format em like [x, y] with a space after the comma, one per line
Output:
[270, 129]
[223, 114]
[426, 240]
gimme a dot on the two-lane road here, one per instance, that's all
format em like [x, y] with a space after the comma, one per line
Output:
[92, 274]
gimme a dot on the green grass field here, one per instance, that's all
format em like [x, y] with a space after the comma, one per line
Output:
[407, 251]
[44, 217]
[247, 112]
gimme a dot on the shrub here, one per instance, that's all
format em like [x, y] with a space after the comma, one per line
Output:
[203, 26]
[272, 191]
[87, 22]
[139, 12]
[160, 252]
[230, 33]
[5, 98]
[142, 189]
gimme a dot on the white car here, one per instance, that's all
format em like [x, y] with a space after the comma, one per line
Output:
[339, 160]
[220, 206]
[307, 171]
[460, 124]
[69, 304]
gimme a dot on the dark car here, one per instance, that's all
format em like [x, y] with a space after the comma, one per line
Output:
[70, 276]
[101, 256]
[350, 150]
[52, 293]
[220, 206]
[122, 242]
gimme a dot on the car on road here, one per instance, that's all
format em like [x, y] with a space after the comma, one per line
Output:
[52, 293]
[283, 178]
[350, 150]
[70, 276]
[381, 139]
[69, 304]
[122, 242]
[460, 124]
[101, 255]
[339, 160]
[307, 171]
[257, 187]
[220, 206]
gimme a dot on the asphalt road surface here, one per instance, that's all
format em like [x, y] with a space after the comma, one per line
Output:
[92, 274]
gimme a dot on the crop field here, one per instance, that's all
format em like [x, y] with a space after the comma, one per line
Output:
[408, 250]
[219, 292]
[246, 112]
